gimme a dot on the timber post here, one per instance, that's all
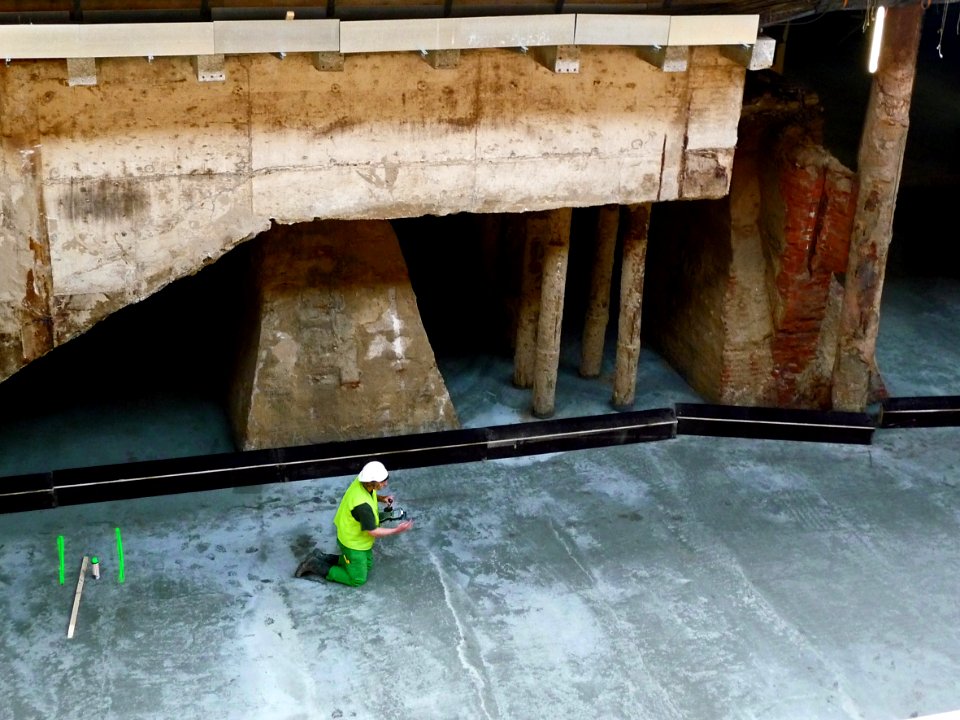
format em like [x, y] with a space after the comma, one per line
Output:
[598, 310]
[631, 305]
[879, 162]
[556, 251]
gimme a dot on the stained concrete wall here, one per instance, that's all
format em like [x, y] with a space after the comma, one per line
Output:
[335, 349]
[110, 192]
[687, 276]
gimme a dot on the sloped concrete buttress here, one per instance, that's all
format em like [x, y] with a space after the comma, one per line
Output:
[336, 349]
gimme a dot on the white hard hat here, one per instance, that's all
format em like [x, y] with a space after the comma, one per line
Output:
[373, 472]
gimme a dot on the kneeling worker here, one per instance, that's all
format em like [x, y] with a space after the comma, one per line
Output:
[358, 526]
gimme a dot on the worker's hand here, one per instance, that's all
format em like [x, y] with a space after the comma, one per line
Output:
[404, 526]
[387, 499]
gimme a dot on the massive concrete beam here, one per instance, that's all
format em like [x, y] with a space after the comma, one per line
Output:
[155, 175]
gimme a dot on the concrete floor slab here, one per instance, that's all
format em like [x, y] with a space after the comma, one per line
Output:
[691, 578]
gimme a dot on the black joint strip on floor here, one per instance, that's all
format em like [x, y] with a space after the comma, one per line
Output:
[27, 492]
[164, 477]
[549, 436]
[397, 452]
[473, 445]
[774, 424]
[912, 412]
[214, 472]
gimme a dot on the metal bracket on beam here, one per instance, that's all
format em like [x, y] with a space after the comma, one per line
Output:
[758, 56]
[81, 71]
[209, 68]
[558, 58]
[327, 61]
[668, 58]
[442, 59]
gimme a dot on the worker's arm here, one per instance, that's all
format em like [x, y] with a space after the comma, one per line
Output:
[364, 515]
[395, 530]
[388, 499]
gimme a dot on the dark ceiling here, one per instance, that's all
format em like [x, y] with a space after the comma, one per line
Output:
[772, 12]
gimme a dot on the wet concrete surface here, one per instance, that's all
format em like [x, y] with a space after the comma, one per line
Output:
[684, 579]
[691, 578]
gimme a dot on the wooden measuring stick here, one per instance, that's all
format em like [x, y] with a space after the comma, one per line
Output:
[76, 597]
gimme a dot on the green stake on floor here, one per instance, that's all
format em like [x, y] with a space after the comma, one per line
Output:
[119, 556]
[60, 553]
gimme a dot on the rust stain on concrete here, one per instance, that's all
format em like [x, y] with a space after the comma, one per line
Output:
[37, 328]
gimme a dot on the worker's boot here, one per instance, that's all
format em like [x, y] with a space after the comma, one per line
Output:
[315, 563]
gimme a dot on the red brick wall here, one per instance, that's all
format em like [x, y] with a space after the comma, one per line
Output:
[806, 252]
[746, 308]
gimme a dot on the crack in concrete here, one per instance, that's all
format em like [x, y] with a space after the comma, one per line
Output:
[476, 672]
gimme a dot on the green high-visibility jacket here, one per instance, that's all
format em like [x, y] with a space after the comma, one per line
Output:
[349, 532]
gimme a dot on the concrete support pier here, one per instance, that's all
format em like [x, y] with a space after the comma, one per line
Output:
[598, 309]
[631, 304]
[335, 348]
[554, 227]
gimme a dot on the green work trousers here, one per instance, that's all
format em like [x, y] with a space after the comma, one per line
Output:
[353, 567]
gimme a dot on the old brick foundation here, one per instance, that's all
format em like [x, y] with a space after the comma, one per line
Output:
[744, 293]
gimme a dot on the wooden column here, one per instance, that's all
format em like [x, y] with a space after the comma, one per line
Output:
[878, 166]
[598, 310]
[556, 249]
[528, 310]
[631, 304]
